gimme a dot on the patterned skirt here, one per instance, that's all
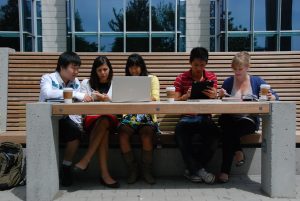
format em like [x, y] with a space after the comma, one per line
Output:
[137, 121]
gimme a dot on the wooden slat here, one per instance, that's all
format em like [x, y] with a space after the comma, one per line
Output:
[280, 69]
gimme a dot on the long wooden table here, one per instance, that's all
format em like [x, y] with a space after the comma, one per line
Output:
[278, 146]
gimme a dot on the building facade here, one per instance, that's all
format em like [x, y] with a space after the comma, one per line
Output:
[149, 25]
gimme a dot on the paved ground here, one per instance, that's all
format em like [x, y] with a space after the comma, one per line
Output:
[240, 188]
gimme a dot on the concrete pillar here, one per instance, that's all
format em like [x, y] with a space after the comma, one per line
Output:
[4, 56]
[54, 25]
[197, 24]
[278, 151]
[42, 152]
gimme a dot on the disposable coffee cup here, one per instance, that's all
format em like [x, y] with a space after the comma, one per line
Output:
[94, 96]
[68, 95]
[170, 94]
[264, 90]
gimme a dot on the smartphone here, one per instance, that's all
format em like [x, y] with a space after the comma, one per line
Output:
[199, 87]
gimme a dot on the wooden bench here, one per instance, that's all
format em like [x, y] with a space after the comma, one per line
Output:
[280, 69]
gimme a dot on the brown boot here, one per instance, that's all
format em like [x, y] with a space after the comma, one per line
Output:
[132, 167]
[147, 157]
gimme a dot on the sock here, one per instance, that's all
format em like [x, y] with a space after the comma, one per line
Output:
[67, 163]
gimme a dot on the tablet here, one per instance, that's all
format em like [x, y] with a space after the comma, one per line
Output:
[199, 87]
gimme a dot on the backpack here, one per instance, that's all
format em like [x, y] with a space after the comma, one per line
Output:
[12, 167]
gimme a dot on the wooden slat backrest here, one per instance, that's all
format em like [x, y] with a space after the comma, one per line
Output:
[280, 69]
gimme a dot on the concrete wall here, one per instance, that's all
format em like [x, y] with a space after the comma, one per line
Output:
[3, 86]
[54, 25]
[197, 24]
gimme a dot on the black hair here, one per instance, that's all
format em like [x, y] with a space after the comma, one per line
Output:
[199, 53]
[94, 80]
[136, 60]
[67, 58]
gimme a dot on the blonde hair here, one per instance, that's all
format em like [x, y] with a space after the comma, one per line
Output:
[241, 59]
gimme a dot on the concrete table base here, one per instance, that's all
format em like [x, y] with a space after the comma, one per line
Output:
[278, 152]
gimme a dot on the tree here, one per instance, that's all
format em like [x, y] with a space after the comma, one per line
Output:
[137, 18]
[234, 43]
[81, 44]
[9, 16]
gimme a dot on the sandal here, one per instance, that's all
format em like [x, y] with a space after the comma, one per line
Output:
[241, 162]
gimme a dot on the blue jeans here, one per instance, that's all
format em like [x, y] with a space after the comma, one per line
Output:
[191, 127]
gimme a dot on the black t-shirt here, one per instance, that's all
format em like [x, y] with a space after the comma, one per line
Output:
[103, 88]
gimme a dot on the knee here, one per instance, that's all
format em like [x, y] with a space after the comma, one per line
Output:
[147, 134]
[103, 123]
[124, 134]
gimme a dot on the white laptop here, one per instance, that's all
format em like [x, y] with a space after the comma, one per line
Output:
[131, 89]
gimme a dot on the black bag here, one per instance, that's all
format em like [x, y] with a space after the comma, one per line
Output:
[12, 165]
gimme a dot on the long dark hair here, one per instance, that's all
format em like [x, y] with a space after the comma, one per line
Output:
[94, 80]
[136, 60]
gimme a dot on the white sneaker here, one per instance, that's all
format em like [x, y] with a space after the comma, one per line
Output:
[207, 177]
[193, 178]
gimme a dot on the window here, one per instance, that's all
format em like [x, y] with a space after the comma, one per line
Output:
[126, 25]
[24, 35]
[255, 25]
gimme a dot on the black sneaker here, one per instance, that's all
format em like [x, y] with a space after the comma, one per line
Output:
[66, 176]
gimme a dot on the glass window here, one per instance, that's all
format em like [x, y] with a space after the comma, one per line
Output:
[163, 44]
[12, 42]
[68, 11]
[163, 15]
[9, 15]
[38, 9]
[265, 43]
[182, 9]
[137, 15]
[86, 43]
[111, 15]
[238, 15]
[111, 44]
[181, 45]
[212, 44]
[212, 9]
[212, 27]
[182, 26]
[39, 27]
[40, 44]
[86, 15]
[265, 13]
[290, 15]
[135, 43]
[239, 44]
[290, 43]
[27, 43]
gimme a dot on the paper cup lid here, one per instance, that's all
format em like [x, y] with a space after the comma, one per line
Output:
[170, 88]
[265, 86]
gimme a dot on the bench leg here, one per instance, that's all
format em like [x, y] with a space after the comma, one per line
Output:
[278, 165]
[42, 152]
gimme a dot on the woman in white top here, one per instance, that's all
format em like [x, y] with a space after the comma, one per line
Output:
[99, 126]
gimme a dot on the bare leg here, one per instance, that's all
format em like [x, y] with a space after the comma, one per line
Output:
[97, 135]
[146, 134]
[125, 133]
[103, 155]
[71, 149]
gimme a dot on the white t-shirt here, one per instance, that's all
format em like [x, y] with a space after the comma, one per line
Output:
[52, 86]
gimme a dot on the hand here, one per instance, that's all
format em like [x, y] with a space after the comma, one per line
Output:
[187, 95]
[87, 98]
[210, 92]
[101, 97]
[222, 92]
[271, 97]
